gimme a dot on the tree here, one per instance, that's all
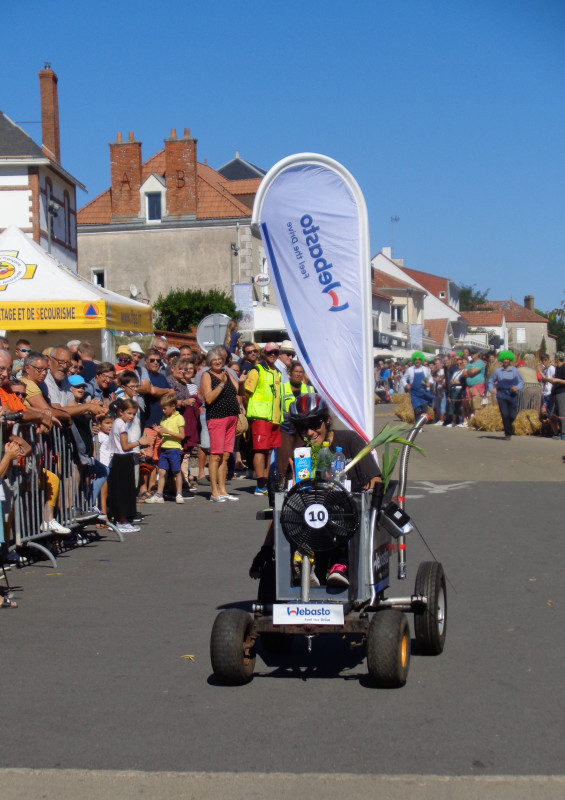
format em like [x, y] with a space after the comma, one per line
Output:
[471, 299]
[181, 310]
[556, 323]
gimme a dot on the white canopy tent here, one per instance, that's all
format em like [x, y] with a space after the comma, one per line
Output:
[39, 296]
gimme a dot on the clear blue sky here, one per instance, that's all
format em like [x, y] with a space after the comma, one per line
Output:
[449, 113]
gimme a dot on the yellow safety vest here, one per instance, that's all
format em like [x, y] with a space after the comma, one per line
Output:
[287, 396]
[262, 402]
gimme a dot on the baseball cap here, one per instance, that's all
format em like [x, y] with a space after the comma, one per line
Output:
[270, 346]
[172, 351]
[76, 380]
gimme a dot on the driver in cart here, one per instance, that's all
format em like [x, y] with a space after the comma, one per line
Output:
[312, 422]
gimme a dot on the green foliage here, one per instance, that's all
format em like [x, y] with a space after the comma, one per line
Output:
[389, 435]
[471, 299]
[556, 323]
[181, 310]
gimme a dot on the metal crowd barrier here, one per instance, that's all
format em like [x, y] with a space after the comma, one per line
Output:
[27, 481]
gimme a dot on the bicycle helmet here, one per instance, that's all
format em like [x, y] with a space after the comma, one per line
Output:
[308, 407]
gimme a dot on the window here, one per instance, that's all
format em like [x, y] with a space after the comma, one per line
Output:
[98, 277]
[397, 313]
[520, 335]
[442, 295]
[153, 206]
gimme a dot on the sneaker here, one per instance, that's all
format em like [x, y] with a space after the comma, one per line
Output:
[128, 528]
[337, 576]
[463, 424]
[179, 499]
[135, 520]
[217, 499]
[261, 492]
[80, 539]
[156, 498]
[56, 527]
[231, 497]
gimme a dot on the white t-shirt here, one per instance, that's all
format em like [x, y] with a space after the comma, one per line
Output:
[105, 451]
[118, 427]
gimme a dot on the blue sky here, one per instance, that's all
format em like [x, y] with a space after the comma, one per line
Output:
[450, 114]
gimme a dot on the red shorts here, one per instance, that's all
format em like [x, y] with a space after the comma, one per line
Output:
[222, 434]
[265, 435]
[153, 449]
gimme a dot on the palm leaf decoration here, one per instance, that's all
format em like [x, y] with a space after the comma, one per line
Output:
[394, 434]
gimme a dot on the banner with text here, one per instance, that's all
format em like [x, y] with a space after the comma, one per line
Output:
[313, 222]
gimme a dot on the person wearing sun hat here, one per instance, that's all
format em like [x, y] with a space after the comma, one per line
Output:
[507, 382]
[418, 380]
[123, 358]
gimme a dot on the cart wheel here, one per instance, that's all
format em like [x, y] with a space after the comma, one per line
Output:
[388, 648]
[430, 624]
[276, 642]
[232, 650]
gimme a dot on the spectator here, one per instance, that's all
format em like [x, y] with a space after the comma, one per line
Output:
[123, 358]
[128, 388]
[151, 389]
[103, 387]
[558, 383]
[121, 481]
[187, 353]
[76, 364]
[232, 340]
[4, 343]
[105, 458]
[171, 431]
[13, 400]
[219, 389]
[87, 354]
[474, 375]
[56, 385]
[22, 349]
[262, 399]
[548, 372]
[508, 382]
[36, 367]
[73, 345]
[136, 354]
[283, 362]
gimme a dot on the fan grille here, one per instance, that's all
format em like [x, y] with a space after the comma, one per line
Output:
[329, 529]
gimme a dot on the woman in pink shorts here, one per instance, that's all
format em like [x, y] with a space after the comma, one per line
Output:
[219, 391]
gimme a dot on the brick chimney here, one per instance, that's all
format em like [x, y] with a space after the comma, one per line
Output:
[180, 175]
[51, 144]
[125, 170]
[529, 302]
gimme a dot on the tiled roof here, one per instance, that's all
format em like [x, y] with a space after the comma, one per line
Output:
[15, 143]
[376, 293]
[216, 195]
[381, 280]
[433, 283]
[437, 329]
[509, 309]
[238, 169]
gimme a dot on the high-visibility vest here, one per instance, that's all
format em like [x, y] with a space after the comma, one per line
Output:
[262, 402]
[287, 396]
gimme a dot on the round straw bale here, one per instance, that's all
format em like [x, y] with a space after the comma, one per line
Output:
[527, 423]
[487, 419]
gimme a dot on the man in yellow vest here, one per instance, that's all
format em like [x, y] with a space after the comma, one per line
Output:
[262, 399]
[290, 390]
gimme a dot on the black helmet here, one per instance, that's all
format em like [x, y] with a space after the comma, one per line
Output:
[308, 407]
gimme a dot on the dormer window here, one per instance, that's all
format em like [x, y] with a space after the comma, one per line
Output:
[153, 211]
[442, 295]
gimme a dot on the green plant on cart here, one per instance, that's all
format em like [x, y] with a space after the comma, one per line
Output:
[395, 434]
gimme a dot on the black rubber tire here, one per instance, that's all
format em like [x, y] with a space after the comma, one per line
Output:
[430, 623]
[230, 632]
[388, 648]
[275, 643]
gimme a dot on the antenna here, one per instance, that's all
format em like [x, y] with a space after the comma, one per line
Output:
[393, 220]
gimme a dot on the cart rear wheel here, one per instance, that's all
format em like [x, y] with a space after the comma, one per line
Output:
[232, 650]
[430, 624]
[388, 648]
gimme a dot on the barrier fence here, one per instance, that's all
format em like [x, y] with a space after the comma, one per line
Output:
[51, 482]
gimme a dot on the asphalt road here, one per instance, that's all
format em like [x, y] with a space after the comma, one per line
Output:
[95, 668]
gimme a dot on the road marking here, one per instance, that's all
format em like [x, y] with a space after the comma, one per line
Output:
[429, 487]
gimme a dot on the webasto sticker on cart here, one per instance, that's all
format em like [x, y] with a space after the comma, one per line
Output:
[308, 614]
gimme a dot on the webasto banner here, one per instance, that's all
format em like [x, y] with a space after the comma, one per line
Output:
[313, 222]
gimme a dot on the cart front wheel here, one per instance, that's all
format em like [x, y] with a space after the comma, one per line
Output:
[430, 624]
[232, 649]
[388, 648]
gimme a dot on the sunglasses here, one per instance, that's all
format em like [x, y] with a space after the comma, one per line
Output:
[24, 349]
[39, 369]
[153, 360]
[123, 358]
[272, 353]
[310, 425]
[21, 394]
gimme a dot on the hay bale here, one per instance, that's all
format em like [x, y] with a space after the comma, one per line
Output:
[405, 412]
[527, 423]
[487, 419]
[400, 399]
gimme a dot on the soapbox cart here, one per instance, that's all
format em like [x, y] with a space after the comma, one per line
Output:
[317, 518]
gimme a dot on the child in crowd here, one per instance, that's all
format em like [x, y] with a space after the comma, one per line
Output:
[121, 481]
[128, 388]
[104, 457]
[170, 457]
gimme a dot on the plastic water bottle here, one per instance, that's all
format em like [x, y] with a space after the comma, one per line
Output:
[324, 464]
[338, 463]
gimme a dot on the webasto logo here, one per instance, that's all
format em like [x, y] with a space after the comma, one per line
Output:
[307, 612]
[320, 264]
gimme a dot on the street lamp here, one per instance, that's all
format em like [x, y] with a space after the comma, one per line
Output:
[234, 251]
